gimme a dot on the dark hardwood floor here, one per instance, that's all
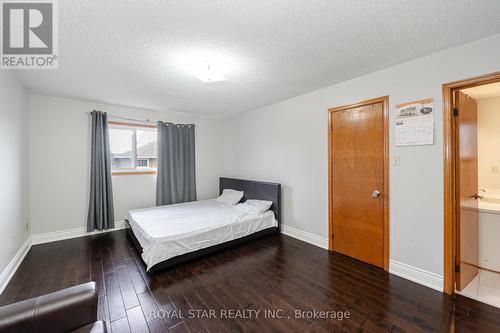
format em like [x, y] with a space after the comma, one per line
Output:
[273, 273]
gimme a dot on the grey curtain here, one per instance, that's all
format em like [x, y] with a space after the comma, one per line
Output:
[176, 179]
[101, 214]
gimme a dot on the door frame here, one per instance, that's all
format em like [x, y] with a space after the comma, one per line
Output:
[449, 172]
[385, 137]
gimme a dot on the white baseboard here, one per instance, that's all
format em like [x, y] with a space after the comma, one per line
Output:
[305, 236]
[54, 236]
[423, 277]
[48, 237]
[405, 271]
[13, 265]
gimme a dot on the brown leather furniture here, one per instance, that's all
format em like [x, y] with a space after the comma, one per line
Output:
[68, 310]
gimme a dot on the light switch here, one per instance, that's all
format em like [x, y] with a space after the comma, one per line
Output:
[397, 160]
[494, 169]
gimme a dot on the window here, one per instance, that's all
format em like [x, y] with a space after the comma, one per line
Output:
[133, 148]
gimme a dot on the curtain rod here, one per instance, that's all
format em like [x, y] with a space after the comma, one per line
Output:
[147, 121]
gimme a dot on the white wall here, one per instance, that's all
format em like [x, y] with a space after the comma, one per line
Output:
[287, 142]
[14, 198]
[59, 161]
[488, 123]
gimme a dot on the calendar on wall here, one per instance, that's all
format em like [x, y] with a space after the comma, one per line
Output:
[415, 123]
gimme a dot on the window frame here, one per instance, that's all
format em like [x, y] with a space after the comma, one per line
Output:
[134, 170]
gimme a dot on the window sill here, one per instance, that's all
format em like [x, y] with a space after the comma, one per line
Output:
[133, 173]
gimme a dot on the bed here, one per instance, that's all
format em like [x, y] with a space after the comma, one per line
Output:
[168, 235]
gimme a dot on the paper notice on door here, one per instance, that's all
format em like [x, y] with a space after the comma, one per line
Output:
[415, 123]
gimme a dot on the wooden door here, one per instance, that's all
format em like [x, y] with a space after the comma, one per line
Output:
[357, 155]
[466, 186]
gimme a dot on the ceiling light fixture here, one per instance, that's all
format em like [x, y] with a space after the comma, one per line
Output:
[208, 74]
[209, 66]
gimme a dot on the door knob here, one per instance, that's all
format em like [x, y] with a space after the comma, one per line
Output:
[375, 194]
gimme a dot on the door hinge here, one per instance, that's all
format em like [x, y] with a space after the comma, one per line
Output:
[457, 268]
[455, 112]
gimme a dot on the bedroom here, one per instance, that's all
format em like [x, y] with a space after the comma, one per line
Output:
[285, 64]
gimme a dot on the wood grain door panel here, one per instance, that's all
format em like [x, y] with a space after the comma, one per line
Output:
[466, 186]
[358, 170]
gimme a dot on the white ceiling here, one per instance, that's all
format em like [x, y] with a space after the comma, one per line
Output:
[130, 52]
[485, 91]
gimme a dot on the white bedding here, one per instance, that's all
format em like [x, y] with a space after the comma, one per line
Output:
[165, 232]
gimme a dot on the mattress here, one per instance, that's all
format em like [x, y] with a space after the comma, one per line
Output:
[165, 232]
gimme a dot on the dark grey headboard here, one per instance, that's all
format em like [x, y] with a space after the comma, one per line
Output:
[255, 190]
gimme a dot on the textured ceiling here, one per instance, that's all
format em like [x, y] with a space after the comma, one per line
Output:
[485, 91]
[130, 52]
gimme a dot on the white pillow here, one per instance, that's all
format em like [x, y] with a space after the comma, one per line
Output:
[230, 197]
[253, 206]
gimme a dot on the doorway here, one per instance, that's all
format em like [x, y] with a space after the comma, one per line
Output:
[358, 184]
[472, 185]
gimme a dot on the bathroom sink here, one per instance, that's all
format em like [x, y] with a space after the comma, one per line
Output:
[491, 199]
